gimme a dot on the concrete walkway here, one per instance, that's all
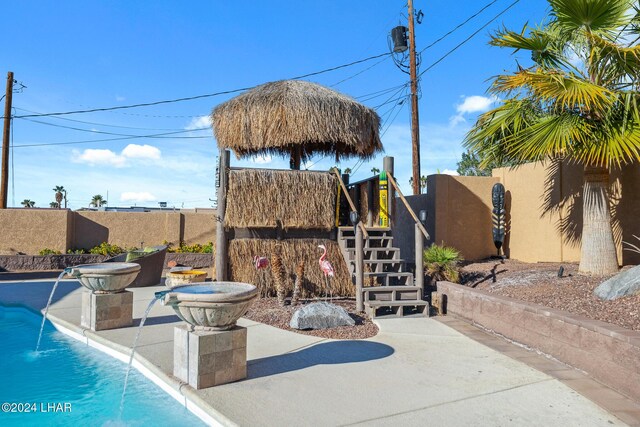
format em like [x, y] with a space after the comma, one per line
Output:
[416, 371]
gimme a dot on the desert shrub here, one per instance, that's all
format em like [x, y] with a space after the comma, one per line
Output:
[442, 263]
[105, 248]
[76, 251]
[47, 251]
[190, 249]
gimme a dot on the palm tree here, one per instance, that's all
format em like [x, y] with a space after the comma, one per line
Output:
[97, 201]
[54, 205]
[579, 100]
[59, 196]
[423, 183]
[375, 171]
[26, 203]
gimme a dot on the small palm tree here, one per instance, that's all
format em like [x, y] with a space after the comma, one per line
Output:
[26, 203]
[97, 201]
[375, 171]
[585, 110]
[54, 205]
[59, 189]
[423, 183]
[347, 171]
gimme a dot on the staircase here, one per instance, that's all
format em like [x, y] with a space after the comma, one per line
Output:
[388, 289]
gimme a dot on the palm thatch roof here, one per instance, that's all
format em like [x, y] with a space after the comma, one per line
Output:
[297, 118]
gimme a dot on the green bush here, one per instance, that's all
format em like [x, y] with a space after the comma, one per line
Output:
[442, 263]
[76, 251]
[105, 248]
[48, 251]
[190, 249]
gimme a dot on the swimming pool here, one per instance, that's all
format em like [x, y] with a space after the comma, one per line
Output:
[69, 383]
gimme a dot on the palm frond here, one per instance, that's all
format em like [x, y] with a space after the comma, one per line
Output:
[614, 62]
[564, 90]
[601, 16]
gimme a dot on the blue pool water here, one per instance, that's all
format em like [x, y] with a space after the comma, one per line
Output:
[68, 383]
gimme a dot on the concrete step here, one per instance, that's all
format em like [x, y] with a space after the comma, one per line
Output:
[381, 309]
[375, 253]
[391, 294]
[390, 278]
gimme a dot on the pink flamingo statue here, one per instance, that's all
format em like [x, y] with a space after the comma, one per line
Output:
[327, 269]
[261, 263]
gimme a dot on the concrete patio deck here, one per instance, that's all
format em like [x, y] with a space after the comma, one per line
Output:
[416, 371]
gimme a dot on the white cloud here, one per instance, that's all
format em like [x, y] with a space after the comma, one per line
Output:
[199, 123]
[261, 160]
[134, 151]
[120, 98]
[475, 104]
[449, 172]
[105, 157]
[95, 157]
[142, 196]
[471, 104]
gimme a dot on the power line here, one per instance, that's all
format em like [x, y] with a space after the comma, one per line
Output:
[360, 72]
[191, 98]
[110, 133]
[457, 27]
[100, 124]
[468, 38]
[159, 136]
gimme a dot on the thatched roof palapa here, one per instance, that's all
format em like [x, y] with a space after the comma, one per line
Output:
[297, 118]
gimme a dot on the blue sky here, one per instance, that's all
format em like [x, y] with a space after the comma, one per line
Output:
[74, 55]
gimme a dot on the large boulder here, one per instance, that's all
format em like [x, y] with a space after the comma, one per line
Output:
[320, 315]
[620, 285]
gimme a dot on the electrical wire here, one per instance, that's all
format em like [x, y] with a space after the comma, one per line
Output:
[110, 133]
[191, 98]
[468, 38]
[457, 27]
[99, 124]
[158, 136]
[358, 73]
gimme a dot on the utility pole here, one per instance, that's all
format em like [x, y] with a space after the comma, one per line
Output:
[4, 179]
[415, 127]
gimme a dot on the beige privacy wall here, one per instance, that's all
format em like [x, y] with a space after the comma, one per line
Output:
[31, 230]
[544, 206]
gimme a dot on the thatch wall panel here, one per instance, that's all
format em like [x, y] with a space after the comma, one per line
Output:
[292, 251]
[262, 197]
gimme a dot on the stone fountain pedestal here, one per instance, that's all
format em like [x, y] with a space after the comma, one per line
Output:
[106, 311]
[204, 358]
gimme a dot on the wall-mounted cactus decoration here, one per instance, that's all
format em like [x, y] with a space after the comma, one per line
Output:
[498, 215]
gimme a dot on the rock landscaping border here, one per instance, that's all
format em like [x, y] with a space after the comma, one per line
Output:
[609, 353]
[13, 263]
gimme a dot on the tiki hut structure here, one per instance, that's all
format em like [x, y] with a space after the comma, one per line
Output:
[297, 119]
[291, 212]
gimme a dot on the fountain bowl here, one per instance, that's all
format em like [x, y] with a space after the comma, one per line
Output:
[212, 306]
[106, 277]
[184, 277]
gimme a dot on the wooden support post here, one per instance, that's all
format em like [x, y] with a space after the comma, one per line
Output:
[4, 178]
[387, 166]
[221, 260]
[370, 194]
[419, 276]
[359, 269]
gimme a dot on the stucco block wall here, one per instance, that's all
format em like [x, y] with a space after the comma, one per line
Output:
[544, 211]
[199, 227]
[24, 230]
[31, 230]
[459, 215]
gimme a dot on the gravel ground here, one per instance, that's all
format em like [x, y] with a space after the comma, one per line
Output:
[267, 310]
[539, 283]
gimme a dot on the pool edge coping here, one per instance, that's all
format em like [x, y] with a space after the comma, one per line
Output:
[174, 388]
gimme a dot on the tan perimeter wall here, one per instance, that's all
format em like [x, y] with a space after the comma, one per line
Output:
[459, 215]
[31, 230]
[544, 211]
